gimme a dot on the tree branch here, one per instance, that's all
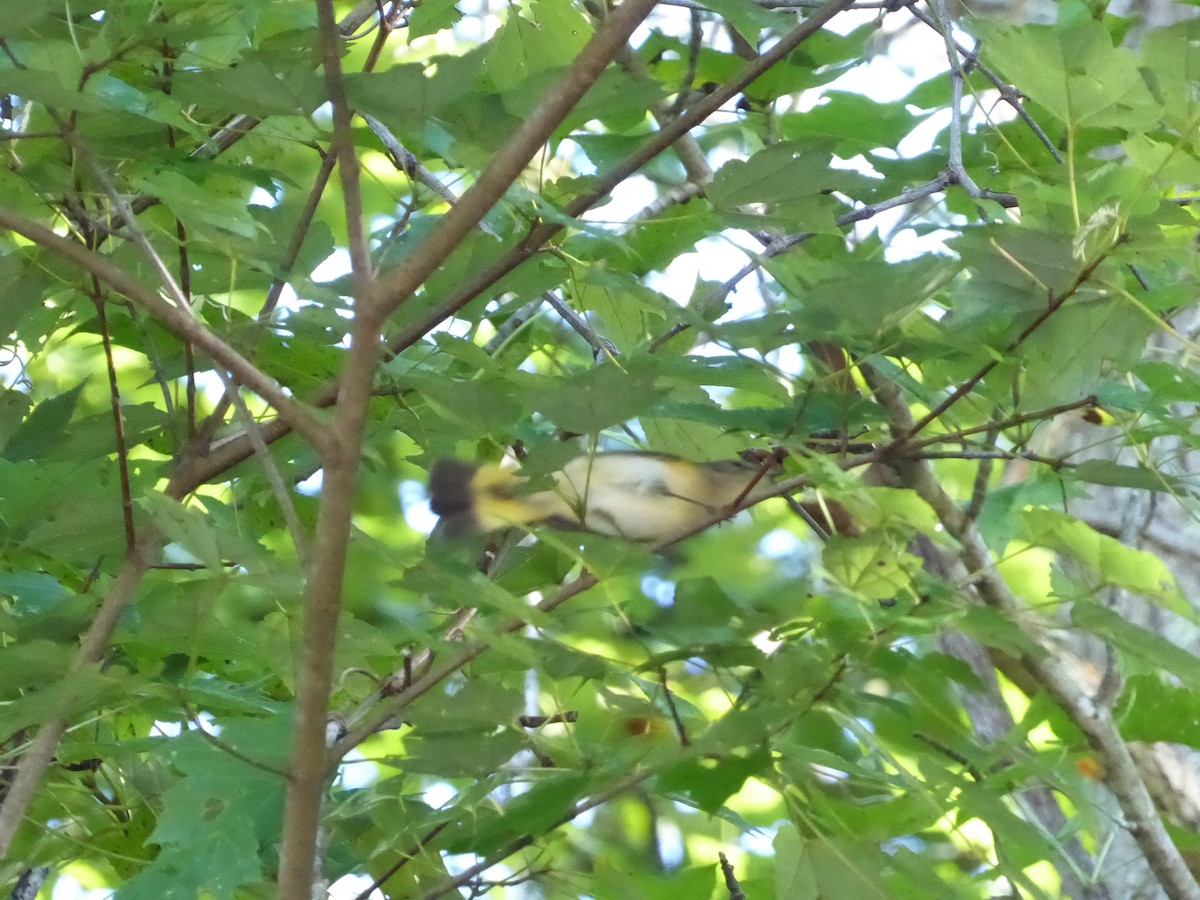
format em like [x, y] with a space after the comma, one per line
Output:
[308, 772]
[1054, 303]
[1094, 720]
[654, 145]
[180, 321]
[510, 161]
[38, 756]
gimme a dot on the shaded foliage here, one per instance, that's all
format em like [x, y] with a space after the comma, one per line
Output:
[594, 718]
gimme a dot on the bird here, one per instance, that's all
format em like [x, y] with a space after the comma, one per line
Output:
[641, 496]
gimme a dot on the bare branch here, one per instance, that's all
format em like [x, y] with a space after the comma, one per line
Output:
[1054, 303]
[731, 882]
[300, 860]
[36, 759]
[180, 321]
[508, 163]
[654, 145]
[1008, 93]
[1094, 720]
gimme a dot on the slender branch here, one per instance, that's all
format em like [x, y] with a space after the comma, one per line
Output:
[605, 183]
[343, 150]
[271, 472]
[223, 746]
[178, 320]
[275, 291]
[1055, 303]
[1053, 462]
[786, 242]
[695, 40]
[680, 730]
[404, 160]
[1039, 415]
[957, 76]
[508, 163]
[613, 791]
[1008, 93]
[404, 859]
[114, 399]
[731, 882]
[300, 860]
[1094, 720]
[37, 758]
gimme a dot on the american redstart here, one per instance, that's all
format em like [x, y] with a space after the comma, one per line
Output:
[640, 496]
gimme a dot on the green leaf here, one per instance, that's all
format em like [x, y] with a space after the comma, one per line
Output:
[1110, 560]
[1069, 355]
[777, 174]
[33, 591]
[708, 783]
[185, 525]
[1112, 474]
[432, 16]
[1153, 709]
[856, 123]
[1170, 60]
[215, 817]
[1151, 649]
[44, 429]
[198, 203]
[262, 84]
[486, 408]
[794, 875]
[532, 813]
[869, 565]
[550, 37]
[413, 92]
[595, 399]
[1077, 74]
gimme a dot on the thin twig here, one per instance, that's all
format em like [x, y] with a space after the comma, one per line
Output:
[562, 718]
[406, 161]
[680, 731]
[178, 320]
[35, 760]
[224, 746]
[466, 875]
[508, 163]
[1054, 303]
[731, 882]
[271, 473]
[412, 167]
[695, 39]
[1037, 415]
[718, 294]
[1095, 721]
[406, 857]
[1008, 93]
[114, 399]
[275, 291]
